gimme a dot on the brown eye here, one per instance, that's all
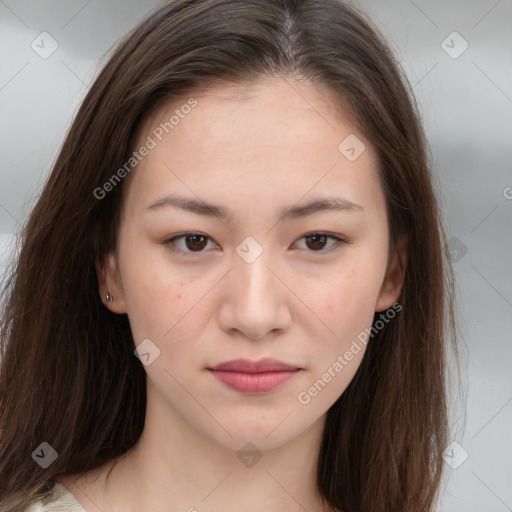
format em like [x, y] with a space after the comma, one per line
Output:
[193, 242]
[197, 242]
[317, 242]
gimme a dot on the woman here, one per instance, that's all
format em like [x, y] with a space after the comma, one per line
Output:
[232, 291]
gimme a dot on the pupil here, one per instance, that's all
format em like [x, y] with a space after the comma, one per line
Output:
[318, 239]
[194, 239]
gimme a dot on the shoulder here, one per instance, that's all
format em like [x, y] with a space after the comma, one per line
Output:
[57, 499]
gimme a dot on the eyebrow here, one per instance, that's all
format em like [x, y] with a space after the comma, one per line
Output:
[212, 210]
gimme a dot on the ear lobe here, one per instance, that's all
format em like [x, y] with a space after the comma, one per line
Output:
[393, 281]
[110, 282]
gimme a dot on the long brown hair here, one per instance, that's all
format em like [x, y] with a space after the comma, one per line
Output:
[68, 373]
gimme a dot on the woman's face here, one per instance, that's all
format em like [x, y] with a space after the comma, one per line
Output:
[264, 184]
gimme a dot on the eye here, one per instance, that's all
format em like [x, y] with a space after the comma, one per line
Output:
[193, 242]
[317, 241]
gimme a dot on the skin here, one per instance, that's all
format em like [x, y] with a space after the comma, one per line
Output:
[301, 302]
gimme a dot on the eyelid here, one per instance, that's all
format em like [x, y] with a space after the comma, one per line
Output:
[170, 242]
[339, 240]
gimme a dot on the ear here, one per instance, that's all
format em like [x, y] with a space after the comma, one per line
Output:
[109, 281]
[393, 281]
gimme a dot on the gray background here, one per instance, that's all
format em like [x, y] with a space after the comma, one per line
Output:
[466, 102]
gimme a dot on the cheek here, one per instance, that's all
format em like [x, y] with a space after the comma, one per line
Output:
[159, 309]
[337, 348]
[346, 298]
[165, 306]
[154, 296]
[345, 304]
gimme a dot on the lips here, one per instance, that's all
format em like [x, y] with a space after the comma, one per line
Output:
[254, 377]
[247, 366]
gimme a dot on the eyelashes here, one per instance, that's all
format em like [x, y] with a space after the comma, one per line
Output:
[195, 240]
[320, 237]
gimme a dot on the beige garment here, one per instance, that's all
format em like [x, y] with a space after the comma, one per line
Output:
[60, 500]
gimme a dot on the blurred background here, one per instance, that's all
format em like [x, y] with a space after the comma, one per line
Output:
[458, 58]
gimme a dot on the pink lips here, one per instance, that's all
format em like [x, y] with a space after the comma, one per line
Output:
[253, 376]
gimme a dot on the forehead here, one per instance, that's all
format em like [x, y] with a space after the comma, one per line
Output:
[272, 107]
[281, 133]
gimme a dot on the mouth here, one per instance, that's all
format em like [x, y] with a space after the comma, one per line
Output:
[254, 377]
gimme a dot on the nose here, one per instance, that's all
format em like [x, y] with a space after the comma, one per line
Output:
[254, 301]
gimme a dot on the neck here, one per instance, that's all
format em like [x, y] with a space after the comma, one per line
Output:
[175, 467]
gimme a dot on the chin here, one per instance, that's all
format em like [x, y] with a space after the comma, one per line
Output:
[268, 434]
